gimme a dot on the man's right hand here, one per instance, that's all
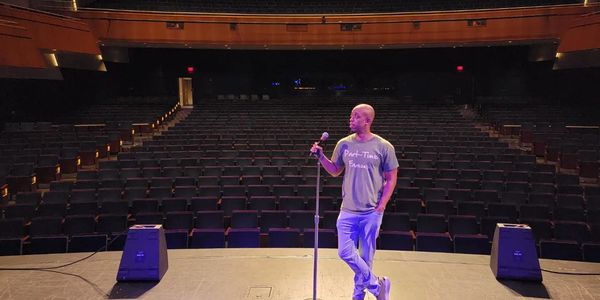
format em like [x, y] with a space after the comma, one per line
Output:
[316, 149]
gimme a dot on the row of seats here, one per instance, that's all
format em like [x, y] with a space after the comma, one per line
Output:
[292, 237]
[110, 202]
[301, 219]
[29, 156]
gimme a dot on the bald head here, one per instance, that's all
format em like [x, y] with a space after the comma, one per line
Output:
[367, 110]
[361, 118]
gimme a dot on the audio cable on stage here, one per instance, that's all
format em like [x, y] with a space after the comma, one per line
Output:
[71, 263]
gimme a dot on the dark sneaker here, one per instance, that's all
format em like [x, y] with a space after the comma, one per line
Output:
[384, 289]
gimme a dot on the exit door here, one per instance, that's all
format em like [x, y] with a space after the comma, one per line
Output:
[185, 92]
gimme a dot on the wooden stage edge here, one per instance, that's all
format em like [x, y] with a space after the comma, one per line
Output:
[286, 274]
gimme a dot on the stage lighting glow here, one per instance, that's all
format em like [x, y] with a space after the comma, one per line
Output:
[459, 68]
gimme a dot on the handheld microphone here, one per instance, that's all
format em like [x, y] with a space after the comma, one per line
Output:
[323, 138]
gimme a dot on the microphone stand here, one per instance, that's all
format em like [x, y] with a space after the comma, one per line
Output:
[316, 249]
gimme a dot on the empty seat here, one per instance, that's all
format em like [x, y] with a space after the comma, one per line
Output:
[29, 198]
[111, 223]
[11, 246]
[534, 211]
[243, 238]
[503, 210]
[570, 230]
[462, 225]
[208, 238]
[555, 249]
[327, 238]
[471, 208]
[45, 226]
[396, 222]
[174, 204]
[471, 244]
[148, 218]
[459, 195]
[288, 203]
[48, 244]
[486, 196]
[431, 223]
[569, 214]
[301, 219]
[176, 238]
[408, 193]
[79, 224]
[261, 203]
[396, 240]
[244, 219]
[179, 220]
[12, 228]
[284, 237]
[541, 228]
[273, 219]
[591, 252]
[434, 194]
[22, 211]
[433, 242]
[55, 197]
[88, 243]
[209, 220]
[411, 206]
[516, 198]
[203, 203]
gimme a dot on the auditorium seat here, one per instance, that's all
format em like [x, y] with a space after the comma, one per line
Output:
[45, 226]
[48, 244]
[244, 219]
[507, 210]
[111, 223]
[431, 223]
[463, 225]
[471, 244]
[148, 218]
[433, 242]
[301, 219]
[12, 228]
[327, 238]
[177, 238]
[289, 203]
[591, 252]
[534, 211]
[560, 249]
[209, 219]
[471, 208]
[87, 243]
[243, 238]
[11, 246]
[284, 237]
[396, 222]
[571, 230]
[179, 220]
[79, 224]
[260, 203]
[208, 238]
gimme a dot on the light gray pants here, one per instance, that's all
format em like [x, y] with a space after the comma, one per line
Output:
[361, 230]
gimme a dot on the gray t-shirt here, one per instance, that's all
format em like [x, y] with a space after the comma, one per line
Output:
[364, 163]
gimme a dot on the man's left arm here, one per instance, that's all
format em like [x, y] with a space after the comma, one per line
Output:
[390, 178]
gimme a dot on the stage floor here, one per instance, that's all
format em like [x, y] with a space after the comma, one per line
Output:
[286, 274]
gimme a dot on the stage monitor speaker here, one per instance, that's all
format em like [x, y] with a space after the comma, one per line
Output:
[514, 255]
[144, 255]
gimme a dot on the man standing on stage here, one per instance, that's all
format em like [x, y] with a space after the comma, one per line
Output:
[371, 170]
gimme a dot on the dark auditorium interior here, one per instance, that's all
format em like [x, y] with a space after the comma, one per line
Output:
[198, 115]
